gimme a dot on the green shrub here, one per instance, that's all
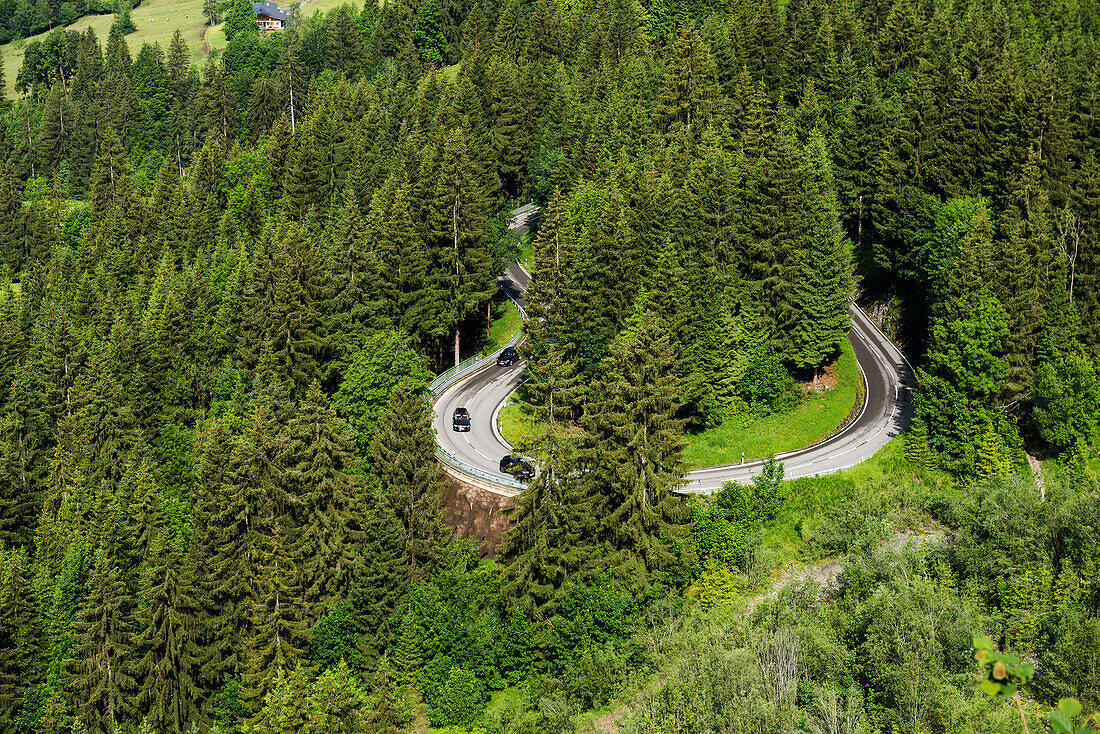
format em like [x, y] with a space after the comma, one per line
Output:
[766, 385]
[460, 700]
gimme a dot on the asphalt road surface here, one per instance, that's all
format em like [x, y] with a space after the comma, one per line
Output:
[483, 393]
[886, 410]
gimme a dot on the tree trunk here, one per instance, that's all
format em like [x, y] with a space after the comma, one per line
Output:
[291, 86]
[859, 223]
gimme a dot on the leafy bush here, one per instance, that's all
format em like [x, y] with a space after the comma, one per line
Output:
[766, 385]
[75, 224]
[724, 523]
[1066, 402]
[385, 359]
[460, 700]
[332, 639]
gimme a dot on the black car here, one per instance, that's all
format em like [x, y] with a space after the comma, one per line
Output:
[517, 467]
[507, 357]
[461, 420]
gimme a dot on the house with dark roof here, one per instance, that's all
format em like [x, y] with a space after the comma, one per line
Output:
[269, 16]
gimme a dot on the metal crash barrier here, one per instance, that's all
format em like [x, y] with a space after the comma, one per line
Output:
[459, 372]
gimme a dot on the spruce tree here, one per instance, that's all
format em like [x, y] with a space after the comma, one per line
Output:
[457, 213]
[110, 176]
[549, 537]
[27, 435]
[767, 222]
[546, 294]
[823, 280]
[12, 222]
[383, 574]
[472, 107]
[861, 138]
[409, 478]
[543, 32]
[211, 492]
[1026, 254]
[398, 264]
[383, 716]
[279, 630]
[1085, 271]
[690, 97]
[142, 521]
[265, 107]
[219, 101]
[637, 451]
[506, 134]
[355, 282]
[285, 706]
[168, 224]
[899, 44]
[346, 50]
[251, 487]
[407, 657]
[101, 669]
[719, 351]
[329, 500]
[297, 317]
[55, 133]
[20, 634]
[917, 449]
[169, 693]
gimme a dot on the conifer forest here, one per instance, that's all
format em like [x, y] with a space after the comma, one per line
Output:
[225, 288]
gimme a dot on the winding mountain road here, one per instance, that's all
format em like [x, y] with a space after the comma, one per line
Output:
[474, 456]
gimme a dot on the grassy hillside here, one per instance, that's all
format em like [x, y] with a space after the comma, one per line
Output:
[156, 21]
[309, 7]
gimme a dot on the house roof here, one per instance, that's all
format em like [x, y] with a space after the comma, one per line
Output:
[268, 8]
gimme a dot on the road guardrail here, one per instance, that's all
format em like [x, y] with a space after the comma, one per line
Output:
[472, 471]
[470, 365]
[459, 372]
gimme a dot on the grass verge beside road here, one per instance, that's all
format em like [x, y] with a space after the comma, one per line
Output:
[515, 423]
[527, 250]
[818, 415]
[506, 324]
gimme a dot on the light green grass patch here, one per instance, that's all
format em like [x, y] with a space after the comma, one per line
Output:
[515, 424]
[818, 415]
[156, 22]
[215, 39]
[500, 703]
[527, 250]
[307, 8]
[886, 480]
[809, 497]
[758, 437]
[506, 324]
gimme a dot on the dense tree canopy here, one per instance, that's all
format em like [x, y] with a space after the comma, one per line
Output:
[223, 291]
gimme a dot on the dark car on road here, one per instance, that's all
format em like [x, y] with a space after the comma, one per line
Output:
[507, 357]
[460, 421]
[517, 467]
